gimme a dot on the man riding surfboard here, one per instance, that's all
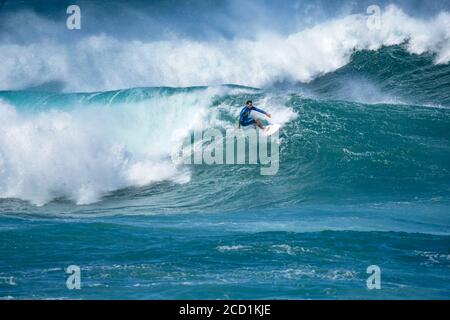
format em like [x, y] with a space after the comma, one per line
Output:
[245, 118]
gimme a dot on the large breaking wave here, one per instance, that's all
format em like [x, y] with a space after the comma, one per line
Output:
[99, 61]
[82, 147]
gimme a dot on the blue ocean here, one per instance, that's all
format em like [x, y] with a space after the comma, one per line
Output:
[90, 119]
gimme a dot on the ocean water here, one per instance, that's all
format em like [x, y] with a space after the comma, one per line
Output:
[87, 177]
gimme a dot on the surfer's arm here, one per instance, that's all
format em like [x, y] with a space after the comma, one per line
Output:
[261, 111]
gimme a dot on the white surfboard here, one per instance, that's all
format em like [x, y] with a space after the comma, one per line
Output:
[271, 129]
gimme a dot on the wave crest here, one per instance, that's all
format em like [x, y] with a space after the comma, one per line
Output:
[102, 62]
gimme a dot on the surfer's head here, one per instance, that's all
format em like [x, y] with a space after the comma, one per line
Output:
[249, 103]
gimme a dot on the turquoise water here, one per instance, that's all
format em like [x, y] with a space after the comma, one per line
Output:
[86, 179]
[278, 254]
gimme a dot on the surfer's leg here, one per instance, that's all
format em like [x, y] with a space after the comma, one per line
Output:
[248, 122]
[258, 123]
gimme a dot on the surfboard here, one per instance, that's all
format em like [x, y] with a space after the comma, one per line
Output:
[271, 129]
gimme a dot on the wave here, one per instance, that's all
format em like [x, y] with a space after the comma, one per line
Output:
[388, 75]
[93, 144]
[84, 146]
[102, 62]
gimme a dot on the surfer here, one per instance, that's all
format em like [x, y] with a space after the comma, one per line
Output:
[245, 119]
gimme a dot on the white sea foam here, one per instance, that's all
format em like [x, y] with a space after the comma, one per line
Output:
[88, 151]
[102, 62]
[232, 248]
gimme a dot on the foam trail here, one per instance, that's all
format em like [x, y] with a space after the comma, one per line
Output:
[101, 62]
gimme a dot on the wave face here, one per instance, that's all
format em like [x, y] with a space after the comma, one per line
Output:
[388, 75]
[82, 146]
[99, 61]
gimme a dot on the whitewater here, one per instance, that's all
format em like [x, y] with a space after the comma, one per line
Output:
[100, 62]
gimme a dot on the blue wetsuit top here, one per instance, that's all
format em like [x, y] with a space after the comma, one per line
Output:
[244, 116]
